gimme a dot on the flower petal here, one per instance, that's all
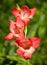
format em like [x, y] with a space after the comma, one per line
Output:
[25, 11]
[20, 37]
[26, 44]
[20, 52]
[20, 24]
[33, 11]
[35, 42]
[26, 21]
[12, 26]
[15, 12]
[9, 36]
[28, 53]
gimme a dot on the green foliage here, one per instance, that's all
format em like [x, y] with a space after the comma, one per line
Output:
[37, 27]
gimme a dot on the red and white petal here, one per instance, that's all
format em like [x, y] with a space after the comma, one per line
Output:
[30, 50]
[33, 11]
[35, 41]
[20, 52]
[20, 24]
[20, 37]
[25, 11]
[12, 26]
[26, 21]
[28, 53]
[9, 36]
[15, 12]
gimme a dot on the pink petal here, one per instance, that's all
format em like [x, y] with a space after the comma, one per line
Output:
[9, 36]
[33, 11]
[20, 24]
[20, 52]
[12, 26]
[27, 55]
[26, 21]
[25, 13]
[25, 10]
[35, 42]
[15, 12]
[20, 37]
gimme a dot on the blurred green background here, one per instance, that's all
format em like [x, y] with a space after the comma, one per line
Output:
[37, 27]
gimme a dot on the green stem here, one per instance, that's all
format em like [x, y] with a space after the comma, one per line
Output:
[25, 31]
[28, 62]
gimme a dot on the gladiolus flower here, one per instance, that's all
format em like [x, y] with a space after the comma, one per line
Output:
[16, 29]
[27, 47]
[24, 13]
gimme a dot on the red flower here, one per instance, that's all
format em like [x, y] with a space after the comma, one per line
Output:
[27, 47]
[16, 29]
[24, 13]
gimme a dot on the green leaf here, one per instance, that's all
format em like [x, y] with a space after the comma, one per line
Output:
[32, 30]
[15, 57]
[18, 6]
[42, 31]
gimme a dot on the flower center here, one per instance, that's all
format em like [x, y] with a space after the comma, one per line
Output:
[16, 30]
[25, 45]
